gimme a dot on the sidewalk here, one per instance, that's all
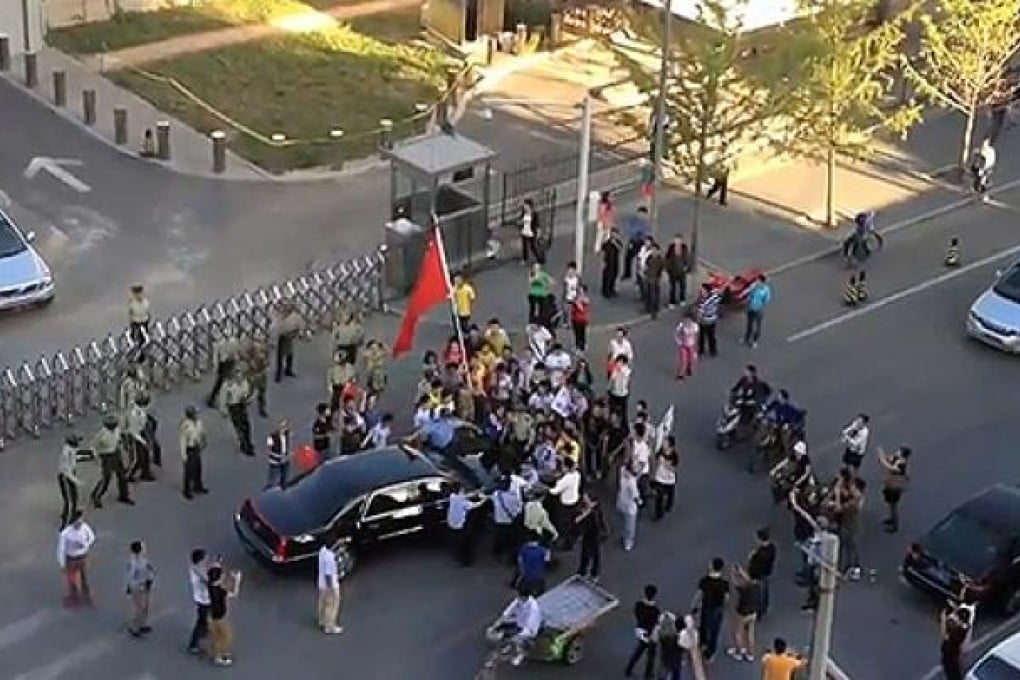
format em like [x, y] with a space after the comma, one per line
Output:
[304, 22]
[191, 151]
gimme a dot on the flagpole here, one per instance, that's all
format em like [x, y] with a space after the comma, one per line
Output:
[449, 295]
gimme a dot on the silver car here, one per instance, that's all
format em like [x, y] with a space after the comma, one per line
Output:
[25, 279]
[994, 317]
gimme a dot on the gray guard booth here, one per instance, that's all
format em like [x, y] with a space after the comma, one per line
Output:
[442, 173]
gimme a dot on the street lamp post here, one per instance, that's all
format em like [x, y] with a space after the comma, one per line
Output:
[660, 115]
[826, 608]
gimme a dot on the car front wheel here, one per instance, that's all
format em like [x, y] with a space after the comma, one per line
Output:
[346, 558]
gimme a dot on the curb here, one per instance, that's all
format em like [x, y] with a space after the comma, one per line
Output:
[932, 214]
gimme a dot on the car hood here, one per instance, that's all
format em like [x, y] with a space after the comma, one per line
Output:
[993, 307]
[21, 269]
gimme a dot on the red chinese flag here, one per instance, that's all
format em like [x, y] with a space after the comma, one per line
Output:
[431, 289]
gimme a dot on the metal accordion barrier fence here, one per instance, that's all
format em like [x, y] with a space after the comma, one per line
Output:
[68, 386]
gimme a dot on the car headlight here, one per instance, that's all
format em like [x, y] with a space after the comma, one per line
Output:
[304, 538]
[47, 280]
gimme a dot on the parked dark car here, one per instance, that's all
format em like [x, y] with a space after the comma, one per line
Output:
[977, 545]
[353, 502]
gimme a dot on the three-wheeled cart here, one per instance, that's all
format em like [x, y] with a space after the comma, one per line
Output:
[569, 609]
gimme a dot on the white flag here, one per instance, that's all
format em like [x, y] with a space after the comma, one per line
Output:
[665, 428]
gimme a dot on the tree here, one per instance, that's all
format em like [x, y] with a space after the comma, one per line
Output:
[840, 75]
[712, 106]
[966, 48]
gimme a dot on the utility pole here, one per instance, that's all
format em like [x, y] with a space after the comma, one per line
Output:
[828, 577]
[583, 161]
[660, 115]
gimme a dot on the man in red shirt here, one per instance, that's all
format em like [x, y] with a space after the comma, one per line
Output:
[580, 317]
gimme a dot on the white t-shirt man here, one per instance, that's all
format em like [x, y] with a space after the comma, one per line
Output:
[641, 455]
[568, 488]
[328, 574]
[621, 347]
[619, 381]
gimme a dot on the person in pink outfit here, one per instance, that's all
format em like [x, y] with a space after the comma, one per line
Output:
[686, 338]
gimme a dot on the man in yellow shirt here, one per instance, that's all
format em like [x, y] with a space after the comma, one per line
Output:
[778, 664]
[463, 300]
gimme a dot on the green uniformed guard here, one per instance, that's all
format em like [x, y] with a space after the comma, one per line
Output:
[348, 333]
[375, 367]
[106, 444]
[236, 393]
[256, 369]
[226, 352]
[191, 435]
[337, 376]
[286, 329]
[953, 253]
[862, 288]
[132, 385]
[850, 292]
[138, 440]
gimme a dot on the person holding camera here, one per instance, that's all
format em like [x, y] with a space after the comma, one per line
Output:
[140, 575]
[855, 437]
[954, 625]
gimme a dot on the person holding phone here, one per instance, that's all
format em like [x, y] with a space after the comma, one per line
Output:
[222, 587]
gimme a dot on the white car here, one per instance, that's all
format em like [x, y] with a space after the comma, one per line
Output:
[25, 279]
[1001, 663]
[994, 318]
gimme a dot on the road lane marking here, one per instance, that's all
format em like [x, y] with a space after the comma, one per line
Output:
[55, 167]
[83, 654]
[911, 221]
[901, 295]
[15, 632]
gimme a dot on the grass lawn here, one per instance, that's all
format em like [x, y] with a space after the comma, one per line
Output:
[137, 28]
[349, 76]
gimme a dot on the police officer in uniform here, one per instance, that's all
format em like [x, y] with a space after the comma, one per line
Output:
[192, 440]
[131, 386]
[151, 438]
[226, 352]
[236, 393]
[348, 333]
[137, 440]
[256, 369]
[286, 329]
[138, 315]
[68, 480]
[339, 374]
[106, 444]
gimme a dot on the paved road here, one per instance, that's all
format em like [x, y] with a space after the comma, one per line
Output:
[410, 613]
[186, 238]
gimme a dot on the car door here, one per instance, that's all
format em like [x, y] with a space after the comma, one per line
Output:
[393, 511]
[435, 494]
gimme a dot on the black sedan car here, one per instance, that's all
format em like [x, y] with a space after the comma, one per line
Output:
[974, 553]
[353, 502]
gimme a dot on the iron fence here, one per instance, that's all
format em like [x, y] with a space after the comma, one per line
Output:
[72, 385]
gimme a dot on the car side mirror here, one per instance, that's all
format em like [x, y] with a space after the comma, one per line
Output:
[30, 237]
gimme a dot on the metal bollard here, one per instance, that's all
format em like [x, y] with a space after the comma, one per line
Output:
[88, 105]
[219, 151]
[490, 49]
[336, 137]
[386, 133]
[555, 34]
[120, 126]
[279, 152]
[31, 70]
[60, 88]
[5, 53]
[163, 140]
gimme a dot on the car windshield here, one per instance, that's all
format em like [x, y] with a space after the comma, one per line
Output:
[1009, 285]
[966, 544]
[995, 668]
[10, 241]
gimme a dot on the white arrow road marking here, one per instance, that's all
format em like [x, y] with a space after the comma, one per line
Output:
[55, 167]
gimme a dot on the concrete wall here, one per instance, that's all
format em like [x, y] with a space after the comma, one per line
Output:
[12, 24]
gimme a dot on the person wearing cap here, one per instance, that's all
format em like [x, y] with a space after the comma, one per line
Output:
[131, 386]
[286, 329]
[191, 435]
[226, 352]
[136, 439]
[106, 443]
[67, 478]
[138, 315]
[236, 394]
[256, 371]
